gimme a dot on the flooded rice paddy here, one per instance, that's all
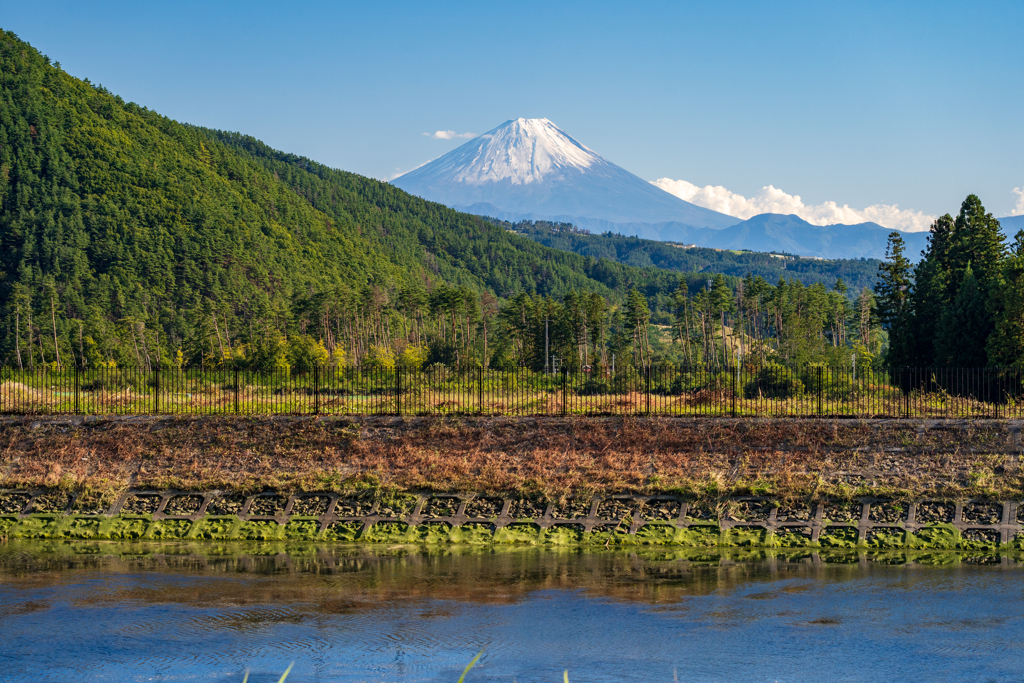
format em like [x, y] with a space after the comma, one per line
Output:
[102, 611]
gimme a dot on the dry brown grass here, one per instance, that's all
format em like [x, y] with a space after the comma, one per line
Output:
[552, 456]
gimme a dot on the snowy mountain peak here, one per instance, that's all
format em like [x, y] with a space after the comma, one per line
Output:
[520, 151]
[532, 167]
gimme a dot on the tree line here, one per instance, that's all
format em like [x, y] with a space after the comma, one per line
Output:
[962, 305]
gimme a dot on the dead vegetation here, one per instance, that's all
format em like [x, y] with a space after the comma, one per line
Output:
[553, 457]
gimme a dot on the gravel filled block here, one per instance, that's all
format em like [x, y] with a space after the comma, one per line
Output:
[310, 506]
[983, 513]
[267, 506]
[140, 504]
[484, 507]
[526, 508]
[660, 510]
[442, 506]
[935, 512]
[842, 511]
[183, 506]
[226, 504]
[13, 503]
[52, 501]
[574, 508]
[888, 512]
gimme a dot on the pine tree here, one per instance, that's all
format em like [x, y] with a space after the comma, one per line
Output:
[1006, 343]
[964, 327]
[892, 297]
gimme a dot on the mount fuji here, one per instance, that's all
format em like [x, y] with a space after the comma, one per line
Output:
[529, 169]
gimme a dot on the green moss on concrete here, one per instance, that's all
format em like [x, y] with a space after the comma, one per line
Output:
[838, 537]
[260, 530]
[125, 528]
[520, 532]
[5, 524]
[80, 528]
[699, 536]
[343, 531]
[171, 529]
[739, 537]
[37, 526]
[935, 537]
[302, 530]
[615, 536]
[563, 535]
[389, 532]
[887, 538]
[216, 528]
[305, 530]
[473, 534]
[437, 532]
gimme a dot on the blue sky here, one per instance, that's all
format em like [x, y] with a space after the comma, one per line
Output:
[862, 104]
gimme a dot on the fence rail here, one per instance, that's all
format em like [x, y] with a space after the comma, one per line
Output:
[772, 391]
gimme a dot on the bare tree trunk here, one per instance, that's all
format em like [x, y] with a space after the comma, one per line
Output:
[17, 334]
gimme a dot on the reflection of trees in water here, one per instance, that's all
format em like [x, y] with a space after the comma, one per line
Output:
[334, 579]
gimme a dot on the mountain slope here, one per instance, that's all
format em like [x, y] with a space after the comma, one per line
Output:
[1011, 225]
[531, 167]
[792, 234]
[127, 238]
[633, 251]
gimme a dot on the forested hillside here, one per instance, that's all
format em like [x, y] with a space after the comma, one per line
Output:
[130, 239]
[641, 253]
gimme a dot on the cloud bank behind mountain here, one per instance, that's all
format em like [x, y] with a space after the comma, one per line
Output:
[773, 200]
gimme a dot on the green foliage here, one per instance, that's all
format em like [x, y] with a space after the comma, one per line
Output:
[642, 253]
[774, 381]
[1006, 344]
[963, 289]
[964, 327]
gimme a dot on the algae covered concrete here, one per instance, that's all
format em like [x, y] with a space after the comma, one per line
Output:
[426, 518]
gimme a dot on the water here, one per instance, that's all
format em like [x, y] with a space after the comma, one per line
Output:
[170, 612]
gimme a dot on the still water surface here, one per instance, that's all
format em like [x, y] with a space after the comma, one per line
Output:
[105, 612]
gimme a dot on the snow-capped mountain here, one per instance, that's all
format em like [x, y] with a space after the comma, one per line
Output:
[531, 169]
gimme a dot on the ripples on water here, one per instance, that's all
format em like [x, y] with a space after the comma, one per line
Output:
[106, 612]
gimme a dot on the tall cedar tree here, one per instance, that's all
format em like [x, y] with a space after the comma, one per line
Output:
[892, 296]
[1006, 343]
[963, 328]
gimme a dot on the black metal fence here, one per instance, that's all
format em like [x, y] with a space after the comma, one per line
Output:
[768, 391]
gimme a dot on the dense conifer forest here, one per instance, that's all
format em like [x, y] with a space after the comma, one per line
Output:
[963, 304]
[131, 240]
[641, 253]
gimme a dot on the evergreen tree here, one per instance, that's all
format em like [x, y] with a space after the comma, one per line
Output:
[892, 299]
[1006, 343]
[964, 326]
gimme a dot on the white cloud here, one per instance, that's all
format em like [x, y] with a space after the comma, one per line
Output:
[773, 200]
[449, 135]
[1018, 209]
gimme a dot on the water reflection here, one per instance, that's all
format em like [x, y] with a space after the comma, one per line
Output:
[107, 611]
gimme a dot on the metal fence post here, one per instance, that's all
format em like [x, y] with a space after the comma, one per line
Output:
[647, 378]
[77, 382]
[821, 389]
[398, 390]
[734, 390]
[316, 389]
[156, 391]
[236, 391]
[480, 387]
[565, 389]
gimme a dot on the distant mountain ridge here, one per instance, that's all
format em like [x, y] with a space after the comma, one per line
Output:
[531, 167]
[531, 170]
